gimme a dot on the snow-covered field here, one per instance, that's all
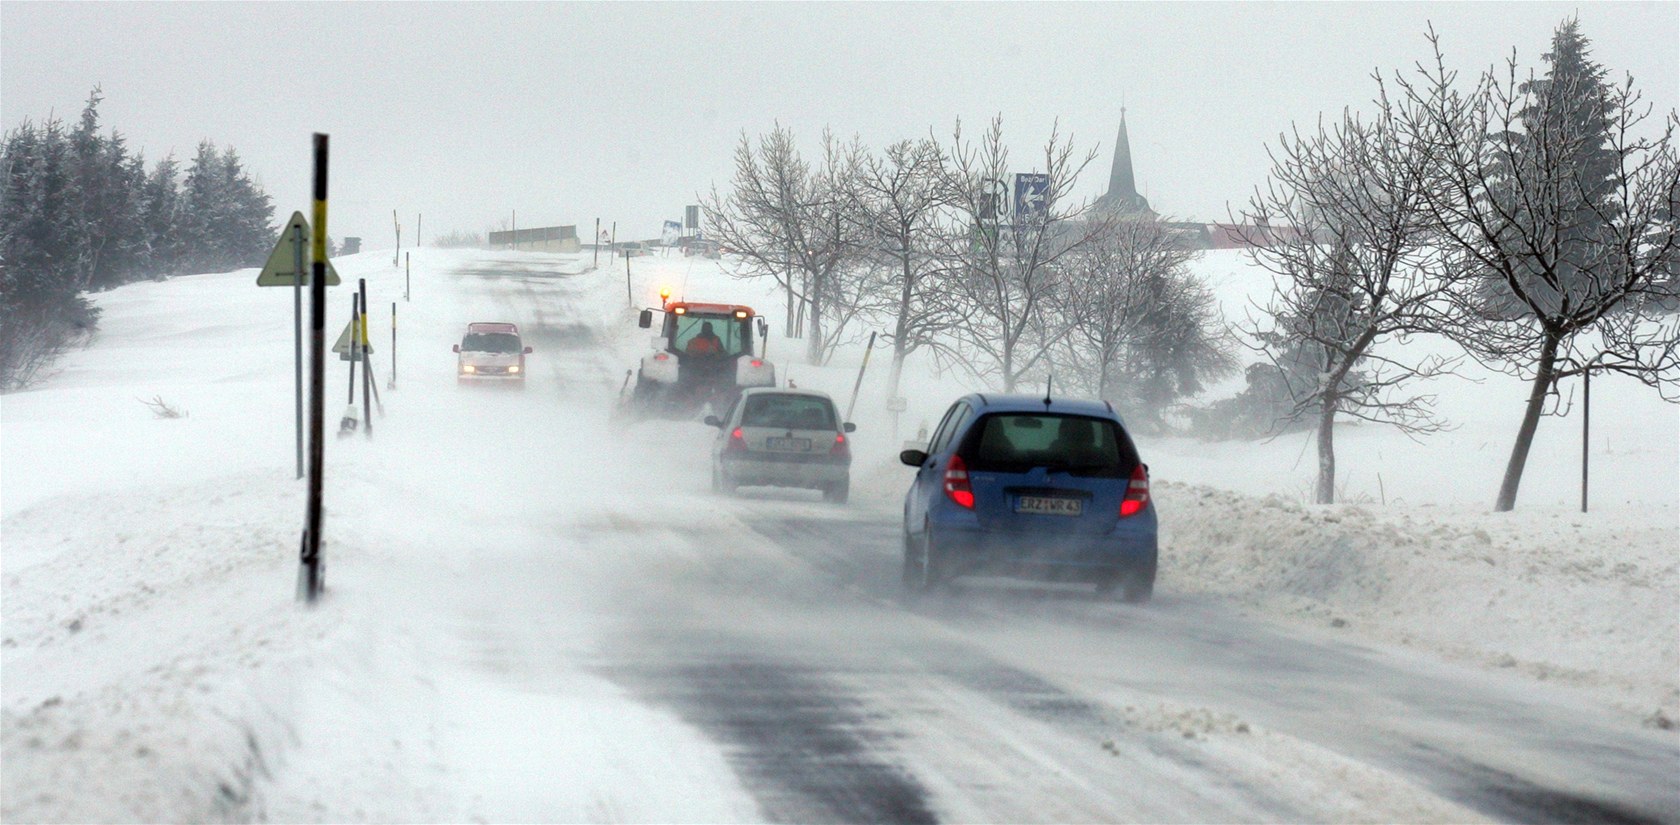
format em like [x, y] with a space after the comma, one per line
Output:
[156, 668]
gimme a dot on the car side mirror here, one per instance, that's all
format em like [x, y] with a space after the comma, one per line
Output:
[714, 421]
[913, 458]
[646, 319]
[457, 347]
[763, 327]
[849, 427]
[527, 350]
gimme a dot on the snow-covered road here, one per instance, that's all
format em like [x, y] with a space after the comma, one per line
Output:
[533, 615]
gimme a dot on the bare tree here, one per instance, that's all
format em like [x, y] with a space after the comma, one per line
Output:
[1586, 262]
[899, 199]
[787, 221]
[1357, 267]
[1004, 267]
[1144, 331]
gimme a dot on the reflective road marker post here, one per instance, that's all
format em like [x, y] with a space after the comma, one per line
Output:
[393, 384]
[367, 363]
[310, 578]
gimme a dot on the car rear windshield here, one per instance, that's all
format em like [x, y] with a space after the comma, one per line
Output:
[1080, 445]
[790, 412]
[490, 342]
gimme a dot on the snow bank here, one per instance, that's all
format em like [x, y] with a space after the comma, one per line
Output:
[1588, 601]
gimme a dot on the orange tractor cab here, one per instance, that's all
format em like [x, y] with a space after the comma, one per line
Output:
[706, 354]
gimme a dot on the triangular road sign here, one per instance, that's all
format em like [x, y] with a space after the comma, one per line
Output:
[342, 347]
[281, 269]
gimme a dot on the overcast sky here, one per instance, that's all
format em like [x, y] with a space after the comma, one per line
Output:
[565, 112]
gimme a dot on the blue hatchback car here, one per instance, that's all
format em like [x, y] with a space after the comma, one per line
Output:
[1032, 487]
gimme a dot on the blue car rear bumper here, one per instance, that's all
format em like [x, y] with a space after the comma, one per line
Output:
[967, 547]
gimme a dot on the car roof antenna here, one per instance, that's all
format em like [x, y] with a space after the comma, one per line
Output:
[1049, 380]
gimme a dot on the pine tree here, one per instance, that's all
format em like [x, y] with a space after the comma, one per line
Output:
[249, 231]
[203, 208]
[1566, 119]
[160, 218]
[41, 306]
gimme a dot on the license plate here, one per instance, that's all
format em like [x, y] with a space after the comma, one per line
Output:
[1049, 506]
[800, 444]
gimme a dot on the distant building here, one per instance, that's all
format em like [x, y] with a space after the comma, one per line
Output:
[540, 239]
[1124, 200]
[1122, 195]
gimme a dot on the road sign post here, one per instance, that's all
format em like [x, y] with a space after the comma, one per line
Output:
[297, 337]
[285, 267]
[355, 352]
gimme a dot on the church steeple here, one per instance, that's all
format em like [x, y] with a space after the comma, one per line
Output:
[1122, 195]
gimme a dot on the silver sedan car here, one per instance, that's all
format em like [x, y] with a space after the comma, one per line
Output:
[782, 438]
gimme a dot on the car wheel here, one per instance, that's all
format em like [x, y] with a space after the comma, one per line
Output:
[838, 492]
[912, 565]
[1139, 584]
[924, 564]
[1109, 580]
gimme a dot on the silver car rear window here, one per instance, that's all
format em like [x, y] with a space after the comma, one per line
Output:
[791, 412]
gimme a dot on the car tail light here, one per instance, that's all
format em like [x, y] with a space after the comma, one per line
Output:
[757, 362]
[660, 356]
[1137, 493]
[737, 442]
[840, 449]
[956, 483]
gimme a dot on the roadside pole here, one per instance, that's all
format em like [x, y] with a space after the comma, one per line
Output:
[1586, 417]
[629, 296]
[858, 384]
[355, 354]
[367, 363]
[370, 384]
[597, 263]
[310, 579]
[419, 224]
[393, 384]
[408, 269]
[396, 257]
[297, 336]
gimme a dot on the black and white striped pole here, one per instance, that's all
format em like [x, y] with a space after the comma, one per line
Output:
[311, 578]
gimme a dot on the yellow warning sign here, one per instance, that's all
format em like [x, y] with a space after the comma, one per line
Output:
[282, 266]
[342, 347]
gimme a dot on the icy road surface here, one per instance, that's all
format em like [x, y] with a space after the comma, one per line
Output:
[774, 626]
[534, 615]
